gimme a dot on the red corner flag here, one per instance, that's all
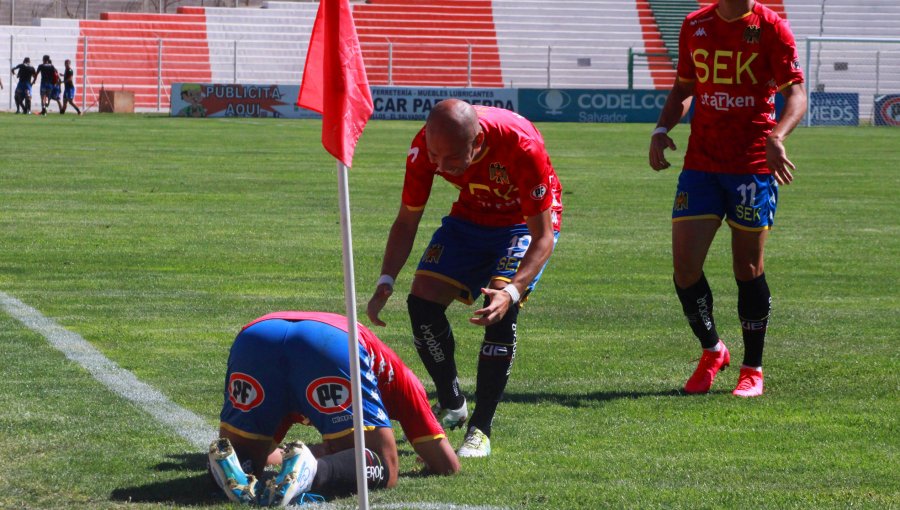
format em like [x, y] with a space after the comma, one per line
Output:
[334, 80]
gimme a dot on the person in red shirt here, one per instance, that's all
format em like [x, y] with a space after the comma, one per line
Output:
[734, 56]
[496, 240]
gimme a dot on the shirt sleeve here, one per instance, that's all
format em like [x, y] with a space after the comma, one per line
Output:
[408, 404]
[533, 172]
[686, 71]
[419, 174]
[783, 56]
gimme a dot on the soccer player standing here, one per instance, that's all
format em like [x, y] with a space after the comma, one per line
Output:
[49, 83]
[734, 56]
[496, 241]
[69, 88]
[25, 74]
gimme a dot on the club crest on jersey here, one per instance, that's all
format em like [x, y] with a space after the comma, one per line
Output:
[433, 254]
[538, 192]
[329, 394]
[751, 34]
[681, 201]
[498, 173]
[245, 392]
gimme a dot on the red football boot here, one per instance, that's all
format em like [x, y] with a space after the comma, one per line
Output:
[750, 383]
[711, 362]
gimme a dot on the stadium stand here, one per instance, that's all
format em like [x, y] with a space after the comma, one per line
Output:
[480, 43]
[568, 43]
[448, 42]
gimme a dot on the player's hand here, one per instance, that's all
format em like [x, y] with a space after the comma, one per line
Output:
[658, 144]
[499, 302]
[776, 158]
[379, 298]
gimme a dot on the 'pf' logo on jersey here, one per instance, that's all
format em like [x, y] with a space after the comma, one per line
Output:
[538, 192]
[245, 392]
[329, 394]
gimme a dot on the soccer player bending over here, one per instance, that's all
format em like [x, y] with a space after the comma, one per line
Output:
[293, 367]
[734, 56]
[496, 241]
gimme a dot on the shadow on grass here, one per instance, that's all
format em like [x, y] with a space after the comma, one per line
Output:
[193, 489]
[587, 399]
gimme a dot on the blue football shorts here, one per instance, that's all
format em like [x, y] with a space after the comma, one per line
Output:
[46, 88]
[746, 201]
[279, 368]
[470, 256]
[23, 89]
[69, 93]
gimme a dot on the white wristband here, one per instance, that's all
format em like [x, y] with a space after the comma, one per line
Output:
[513, 292]
[386, 278]
[660, 130]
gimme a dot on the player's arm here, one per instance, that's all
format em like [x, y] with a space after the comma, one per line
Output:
[791, 115]
[540, 226]
[676, 107]
[438, 456]
[396, 252]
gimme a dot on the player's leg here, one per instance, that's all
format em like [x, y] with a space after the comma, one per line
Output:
[450, 269]
[433, 338]
[690, 244]
[498, 349]
[754, 200]
[696, 216]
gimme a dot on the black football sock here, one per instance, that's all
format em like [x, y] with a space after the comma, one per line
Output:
[498, 350]
[754, 307]
[697, 303]
[336, 473]
[434, 342]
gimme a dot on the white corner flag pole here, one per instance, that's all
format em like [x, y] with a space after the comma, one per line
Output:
[352, 337]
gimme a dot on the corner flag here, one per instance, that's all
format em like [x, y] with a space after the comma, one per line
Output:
[335, 85]
[334, 80]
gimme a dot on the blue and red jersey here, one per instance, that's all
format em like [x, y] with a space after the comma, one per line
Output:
[293, 367]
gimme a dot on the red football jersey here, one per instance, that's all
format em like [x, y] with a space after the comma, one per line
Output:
[737, 66]
[402, 393]
[511, 180]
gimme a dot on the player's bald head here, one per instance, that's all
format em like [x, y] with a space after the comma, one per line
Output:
[453, 119]
[453, 136]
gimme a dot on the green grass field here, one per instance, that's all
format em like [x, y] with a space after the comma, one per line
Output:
[156, 239]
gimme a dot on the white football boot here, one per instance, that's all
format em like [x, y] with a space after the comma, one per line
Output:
[451, 418]
[228, 474]
[476, 444]
[298, 468]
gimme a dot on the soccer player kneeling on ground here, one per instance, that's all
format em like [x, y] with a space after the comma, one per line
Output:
[293, 367]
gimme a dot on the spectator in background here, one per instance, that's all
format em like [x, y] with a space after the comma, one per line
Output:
[69, 88]
[734, 56]
[25, 73]
[49, 84]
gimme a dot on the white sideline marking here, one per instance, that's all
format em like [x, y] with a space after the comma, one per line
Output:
[186, 424]
[123, 383]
